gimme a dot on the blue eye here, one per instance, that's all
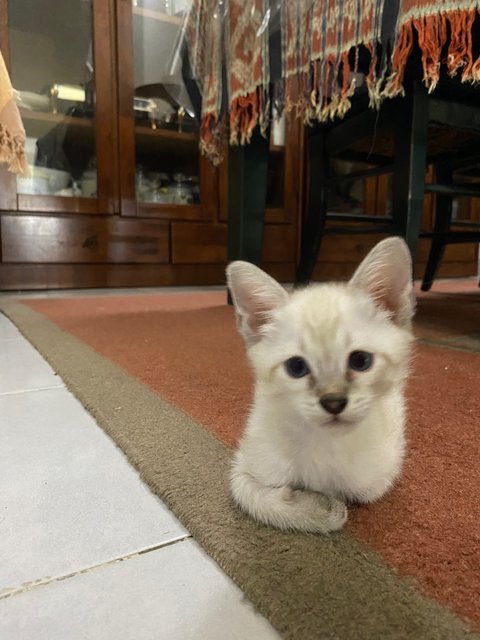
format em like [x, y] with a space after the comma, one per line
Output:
[296, 367]
[360, 360]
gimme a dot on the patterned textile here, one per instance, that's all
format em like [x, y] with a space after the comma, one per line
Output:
[228, 42]
[12, 133]
[204, 36]
[317, 37]
[436, 23]
[227, 36]
[247, 67]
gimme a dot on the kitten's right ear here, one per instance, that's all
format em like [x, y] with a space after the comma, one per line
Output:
[255, 295]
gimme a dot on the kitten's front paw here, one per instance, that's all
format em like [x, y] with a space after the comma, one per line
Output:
[338, 514]
[317, 513]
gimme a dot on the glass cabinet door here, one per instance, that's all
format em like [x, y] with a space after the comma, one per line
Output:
[52, 68]
[167, 161]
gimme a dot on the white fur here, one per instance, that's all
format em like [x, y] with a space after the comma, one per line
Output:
[297, 464]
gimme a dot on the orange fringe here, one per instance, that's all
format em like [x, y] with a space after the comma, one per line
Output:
[401, 53]
[245, 113]
[432, 36]
[318, 94]
[460, 48]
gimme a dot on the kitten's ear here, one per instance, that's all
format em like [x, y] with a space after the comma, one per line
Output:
[255, 295]
[386, 275]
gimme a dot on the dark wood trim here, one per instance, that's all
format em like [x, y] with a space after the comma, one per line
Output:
[178, 212]
[80, 276]
[126, 127]
[103, 14]
[302, 187]
[58, 204]
[292, 193]
[275, 215]
[83, 276]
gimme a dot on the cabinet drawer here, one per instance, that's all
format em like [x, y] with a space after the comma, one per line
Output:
[207, 243]
[49, 239]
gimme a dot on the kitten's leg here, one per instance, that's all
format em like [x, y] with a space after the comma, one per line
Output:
[285, 508]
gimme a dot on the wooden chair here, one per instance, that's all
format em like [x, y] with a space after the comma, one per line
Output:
[409, 120]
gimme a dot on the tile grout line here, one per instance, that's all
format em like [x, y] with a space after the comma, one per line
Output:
[35, 390]
[29, 586]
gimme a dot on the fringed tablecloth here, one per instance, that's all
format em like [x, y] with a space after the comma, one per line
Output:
[228, 44]
[437, 23]
[12, 132]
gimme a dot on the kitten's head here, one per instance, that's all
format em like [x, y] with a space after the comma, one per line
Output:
[329, 351]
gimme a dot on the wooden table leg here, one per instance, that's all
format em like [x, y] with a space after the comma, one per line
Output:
[409, 167]
[314, 225]
[247, 191]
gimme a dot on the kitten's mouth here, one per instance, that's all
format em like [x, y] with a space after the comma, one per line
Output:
[338, 421]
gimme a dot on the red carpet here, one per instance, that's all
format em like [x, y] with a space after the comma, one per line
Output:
[186, 349]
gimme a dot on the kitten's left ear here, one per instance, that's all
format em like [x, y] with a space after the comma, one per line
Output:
[255, 295]
[386, 276]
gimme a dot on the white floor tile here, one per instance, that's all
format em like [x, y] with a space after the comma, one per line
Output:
[68, 497]
[174, 593]
[8, 331]
[22, 368]
[70, 504]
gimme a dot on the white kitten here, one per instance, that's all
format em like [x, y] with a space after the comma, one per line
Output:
[330, 363]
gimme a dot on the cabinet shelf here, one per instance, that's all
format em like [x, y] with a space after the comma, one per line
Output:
[166, 140]
[156, 15]
[38, 123]
[55, 118]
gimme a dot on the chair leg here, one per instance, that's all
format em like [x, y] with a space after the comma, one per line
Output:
[409, 168]
[443, 220]
[314, 224]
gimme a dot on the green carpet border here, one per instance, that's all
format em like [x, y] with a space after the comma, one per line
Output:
[309, 587]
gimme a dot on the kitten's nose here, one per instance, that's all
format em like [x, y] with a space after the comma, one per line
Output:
[334, 403]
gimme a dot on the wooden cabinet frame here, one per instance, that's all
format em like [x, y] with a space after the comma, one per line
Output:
[105, 124]
[208, 175]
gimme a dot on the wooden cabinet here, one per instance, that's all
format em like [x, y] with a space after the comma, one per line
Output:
[119, 194]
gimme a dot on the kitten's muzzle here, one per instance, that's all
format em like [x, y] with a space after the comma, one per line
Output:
[334, 403]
